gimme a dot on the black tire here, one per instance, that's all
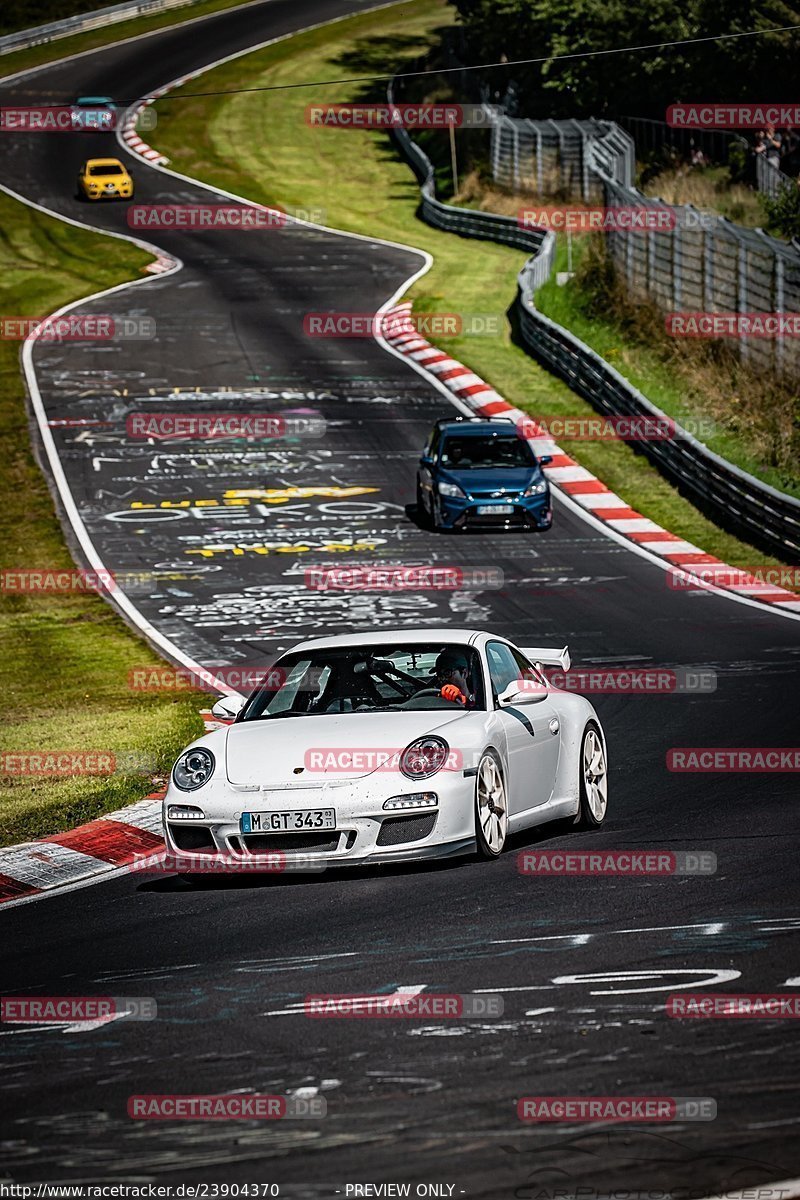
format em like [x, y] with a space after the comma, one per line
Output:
[492, 846]
[423, 516]
[593, 794]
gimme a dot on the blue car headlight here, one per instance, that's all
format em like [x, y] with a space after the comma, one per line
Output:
[536, 489]
[453, 490]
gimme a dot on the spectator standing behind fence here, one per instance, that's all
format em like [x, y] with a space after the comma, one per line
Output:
[773, 143]
[789, 158]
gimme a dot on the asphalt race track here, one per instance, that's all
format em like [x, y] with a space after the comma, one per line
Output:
[229, 962]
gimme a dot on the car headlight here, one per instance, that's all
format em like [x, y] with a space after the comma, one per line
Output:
[451, 489]
[536, 489]
[193, 769]
[424, 757]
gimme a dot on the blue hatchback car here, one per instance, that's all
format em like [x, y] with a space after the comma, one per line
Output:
[475, 473]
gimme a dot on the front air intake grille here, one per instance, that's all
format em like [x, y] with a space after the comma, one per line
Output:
[192, 837]
[397, 830]
[261, 843]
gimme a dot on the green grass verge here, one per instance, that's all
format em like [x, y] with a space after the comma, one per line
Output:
[259, 145]
[65, 661]
[35, 56]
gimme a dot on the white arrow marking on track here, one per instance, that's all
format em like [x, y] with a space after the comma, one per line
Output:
[292, 1010]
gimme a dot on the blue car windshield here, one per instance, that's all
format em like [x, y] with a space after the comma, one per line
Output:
[473, 453]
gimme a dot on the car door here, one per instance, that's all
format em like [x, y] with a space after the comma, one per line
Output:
[425, 473]
[532, 731]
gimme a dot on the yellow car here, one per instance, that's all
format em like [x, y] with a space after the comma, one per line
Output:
[104, 179]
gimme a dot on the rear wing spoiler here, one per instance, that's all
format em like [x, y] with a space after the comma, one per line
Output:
[548, 656]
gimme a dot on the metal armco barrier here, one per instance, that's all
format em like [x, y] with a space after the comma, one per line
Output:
[38, 36]
[468, 222]
[732, 498]
[735, 500]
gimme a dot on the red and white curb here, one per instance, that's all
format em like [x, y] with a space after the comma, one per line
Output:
[94, 849]
[130, 135]
[569, 477]
[97, 848]
[136, 145]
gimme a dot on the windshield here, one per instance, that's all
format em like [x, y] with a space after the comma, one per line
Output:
[111, 169]
[473, 453]
[370, 679]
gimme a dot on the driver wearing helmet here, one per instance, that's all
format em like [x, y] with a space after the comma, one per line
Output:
[451, 671]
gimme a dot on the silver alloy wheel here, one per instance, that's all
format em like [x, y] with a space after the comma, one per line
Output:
[594, 774]
[492, 806]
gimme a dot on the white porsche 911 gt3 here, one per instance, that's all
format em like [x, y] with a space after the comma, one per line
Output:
[390, 747]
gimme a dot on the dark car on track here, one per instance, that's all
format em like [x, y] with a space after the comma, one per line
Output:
[476, 473]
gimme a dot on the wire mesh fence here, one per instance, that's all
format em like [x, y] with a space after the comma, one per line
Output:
[705, 264]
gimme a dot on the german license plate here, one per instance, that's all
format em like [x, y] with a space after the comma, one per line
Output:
[287, 822]
[489, 510]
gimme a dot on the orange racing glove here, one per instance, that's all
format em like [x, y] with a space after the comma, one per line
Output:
[451, 692]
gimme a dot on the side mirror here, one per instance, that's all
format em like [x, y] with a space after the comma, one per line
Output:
[426, 460]
[228, 708]
[544, 459]
[514, 694]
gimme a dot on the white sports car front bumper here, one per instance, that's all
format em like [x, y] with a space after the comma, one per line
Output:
[365, 831]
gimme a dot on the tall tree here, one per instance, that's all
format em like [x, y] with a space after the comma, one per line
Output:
[639, 82]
